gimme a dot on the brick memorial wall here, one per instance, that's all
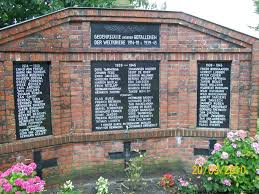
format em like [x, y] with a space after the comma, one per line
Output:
[74, 81]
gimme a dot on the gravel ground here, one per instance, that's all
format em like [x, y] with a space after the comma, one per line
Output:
[150, 186]
[118, 181]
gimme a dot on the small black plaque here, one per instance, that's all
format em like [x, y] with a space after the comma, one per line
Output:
[213, 94]
[125, 94]
[125, 35]
[32, 99]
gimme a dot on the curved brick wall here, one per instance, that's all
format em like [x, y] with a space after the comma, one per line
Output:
[63, 39]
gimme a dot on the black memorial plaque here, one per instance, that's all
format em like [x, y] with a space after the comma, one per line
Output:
[32, 99]
[213, 94]
[125, 94]
[125, 35]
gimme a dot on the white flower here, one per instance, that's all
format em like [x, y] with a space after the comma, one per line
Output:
[68, 185]
[238, 153]
[200, 161]
[224, 155]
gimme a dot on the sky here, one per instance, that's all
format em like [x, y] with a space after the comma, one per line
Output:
[235, 14]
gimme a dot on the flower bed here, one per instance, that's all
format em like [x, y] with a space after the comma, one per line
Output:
[232, 168]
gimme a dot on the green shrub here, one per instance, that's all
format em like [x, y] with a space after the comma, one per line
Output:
[68, 188]
[232, 167]
[102, 186]
[134, 171]
[186, 187]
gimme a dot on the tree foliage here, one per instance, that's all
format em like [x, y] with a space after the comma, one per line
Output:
[60, 4]
[257, 6]
[13, 11]
[257, 11]
[144, 4]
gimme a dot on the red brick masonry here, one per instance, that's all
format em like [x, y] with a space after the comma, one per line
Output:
[63, 38]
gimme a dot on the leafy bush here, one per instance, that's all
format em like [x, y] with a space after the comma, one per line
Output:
[68, 188]
[102, 186]
[234, 166]
[21, 179]
[187, 187]
[134, 171]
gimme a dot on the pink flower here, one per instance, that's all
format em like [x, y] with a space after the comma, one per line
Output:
[212, 168]
[37, 179]
[238, 153]
[24, 185]
[217, 147]
[28, 170]
[39, 187]
[227, 182]
[33, 165]
[7, 187]
[30, 189]
[42, 184]
[234, 145]
[236, 135]
[242, 134]
[18, 182]
[224, 155]
[3, 181]
[183, 183]
[213, 152]
[28, 185]
[200, 161]
[231, 136]
[6, 173]
[31, 181]
[255, 146]
[16, 168]
[33, 185]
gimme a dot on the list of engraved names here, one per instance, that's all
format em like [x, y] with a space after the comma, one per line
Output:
[125, 94]
[213, 94]
[32, 99]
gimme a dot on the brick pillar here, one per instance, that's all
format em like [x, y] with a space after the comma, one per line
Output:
[255, 88]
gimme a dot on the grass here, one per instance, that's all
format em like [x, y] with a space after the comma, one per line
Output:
[89, 173]
[158, 168]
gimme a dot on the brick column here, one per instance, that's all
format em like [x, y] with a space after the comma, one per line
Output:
[255, 88]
